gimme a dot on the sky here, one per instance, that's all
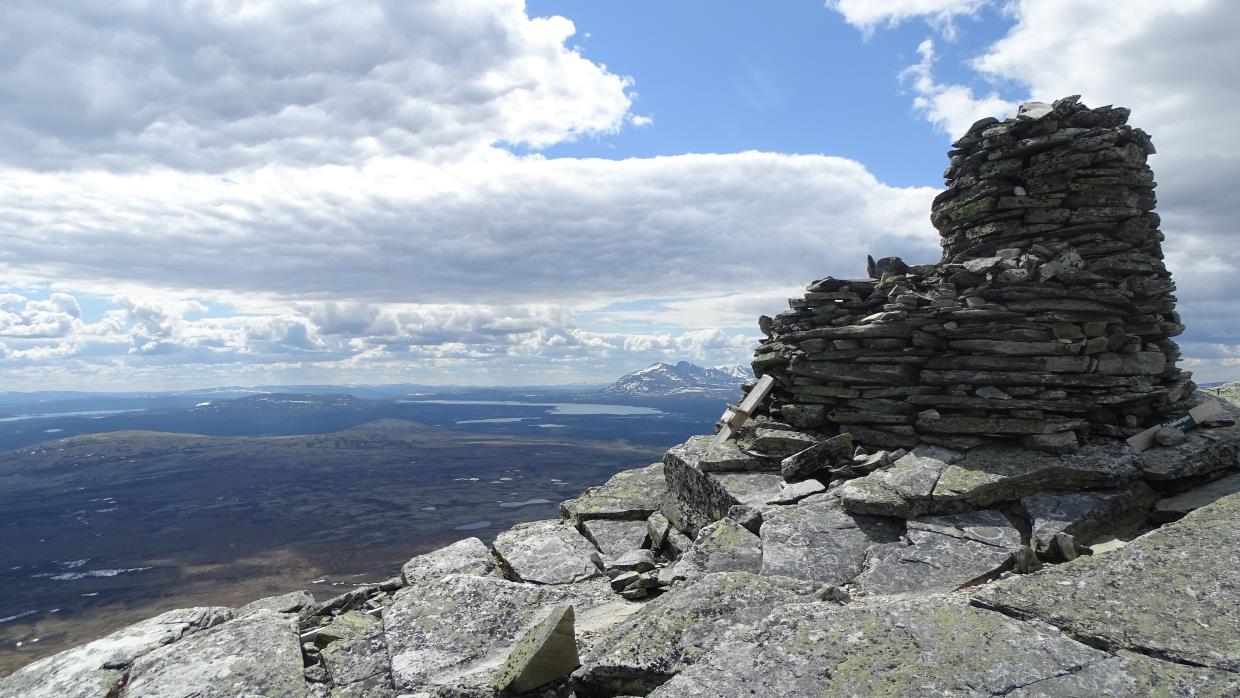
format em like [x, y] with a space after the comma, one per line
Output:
[491, 192]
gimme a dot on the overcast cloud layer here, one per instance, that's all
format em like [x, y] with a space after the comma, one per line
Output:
[287, 192]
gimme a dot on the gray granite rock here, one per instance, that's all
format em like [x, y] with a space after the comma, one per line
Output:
[942, 553]
[357, 656]
[1085, 515]
[921, 648]
[547, 552]
[292, 602]
[1173, 508]
[901, 488]
[96, 668]
[723, 546]
[695, 498]
[680, 627]
[1170, 593]
[836, 451]
[630, 495]
[729, 457]
[257, 654]
[1199, 454]
[795, 492]
[819, 540]
[613, 536]
[468, 556]
[544, 653]
[456, 634]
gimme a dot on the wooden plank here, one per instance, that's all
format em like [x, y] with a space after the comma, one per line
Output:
[1195, 416]
[734, 417]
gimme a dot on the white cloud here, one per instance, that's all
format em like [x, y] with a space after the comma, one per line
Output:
[952, 108]
[211, 86]
[867, 15]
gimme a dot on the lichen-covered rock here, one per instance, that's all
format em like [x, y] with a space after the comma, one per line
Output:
[547, 552]
[257, 654]
[357, 658]
[631, 495]
[1172, 508]
[795, 492]
[1085, 515]
[723, 546]
[680, 627]
[468, 556]
[926, 481]
[818, 540]
[695, 498]
[921, 648]
[1198, 454]
[942, 554]
[544, 653]
[456, 634]
[836, 451]
[96, 668]
[292, 602]
[1170, 593]
[614, 536]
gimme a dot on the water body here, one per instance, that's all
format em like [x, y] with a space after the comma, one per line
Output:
[494, 420]
[556, 407]
[50, 415]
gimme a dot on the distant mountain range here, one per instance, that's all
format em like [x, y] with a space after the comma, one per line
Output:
[683, 378]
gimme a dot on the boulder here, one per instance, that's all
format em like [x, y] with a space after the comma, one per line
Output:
[723, 546]
[820, 541]
[923, 648]
[468, 556]
[942, 553]
[457, 634]
[356, 658]
[1199, 454]
[1173, 508]
[547, 552]
[695, 498]
[292, 602]
[255, 654]
[96, 668]
[836, 451]
[631, 495]
[1170, 593]
[544, 653]
[795, 492]
[674, 630]
[1087, 515]
[614, 536]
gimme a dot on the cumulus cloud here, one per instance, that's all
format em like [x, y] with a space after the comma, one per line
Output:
[516, 230]
[867, 15]
[952, 108]
[212, 86]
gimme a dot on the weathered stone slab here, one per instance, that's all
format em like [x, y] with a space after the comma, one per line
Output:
[292, 602]
[795, 492]
[1170, 593]
[630, 494]
[942, 554]
[818, 540]
[544, 653]
[612, 536]
[468, 556]
[833, 452]
[723, 546]
[1173, 508]
[728, 456]
[357, 657]
[923, 648]
[680, 627]
[95, 669]
[257, 654]
[547, 552]
[1085, 515]
[1198, 455]
[779, 443]
[456, 634]
[695, 498]
[899, 490]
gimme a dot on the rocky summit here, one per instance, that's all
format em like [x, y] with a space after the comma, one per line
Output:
[937, 498]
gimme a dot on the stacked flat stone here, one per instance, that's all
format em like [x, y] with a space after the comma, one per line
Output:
[1048, 319]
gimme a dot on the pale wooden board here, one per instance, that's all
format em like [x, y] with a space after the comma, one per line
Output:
[733, 417]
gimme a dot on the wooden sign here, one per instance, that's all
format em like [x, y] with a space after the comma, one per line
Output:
[1195, 416]
[735, 416]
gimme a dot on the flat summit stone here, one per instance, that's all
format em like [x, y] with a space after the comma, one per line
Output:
[547, 552]
[1170, 593]
[468, 556]
[942, 554]
[818, 540]
[95, 669]
[631, 495]
[923, 648]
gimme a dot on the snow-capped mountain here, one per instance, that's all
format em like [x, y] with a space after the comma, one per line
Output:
[683, 378]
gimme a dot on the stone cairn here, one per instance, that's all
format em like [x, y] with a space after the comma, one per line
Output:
[1049, 318]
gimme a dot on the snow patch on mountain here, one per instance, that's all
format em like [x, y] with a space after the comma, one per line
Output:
[682, 378]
